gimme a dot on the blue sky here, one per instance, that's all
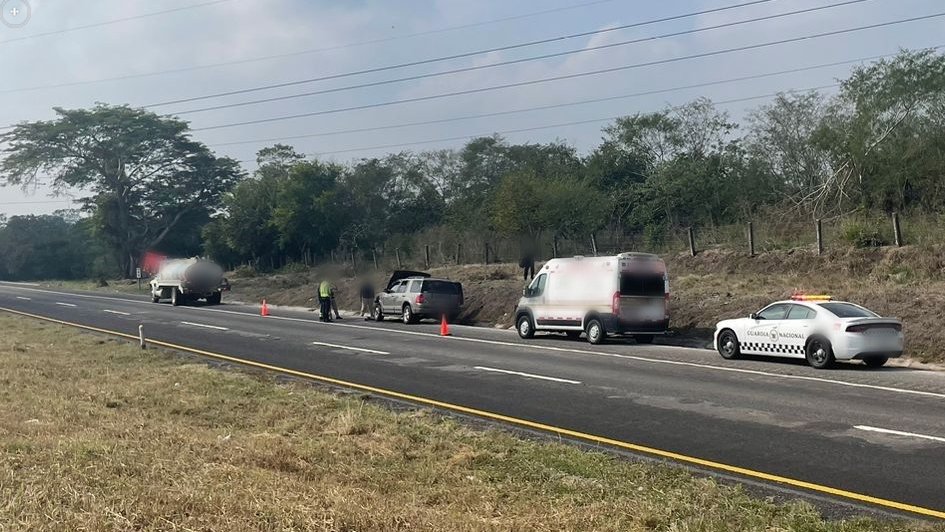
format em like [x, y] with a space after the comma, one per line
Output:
[237, 30]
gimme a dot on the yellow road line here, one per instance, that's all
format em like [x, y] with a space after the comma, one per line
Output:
[708, 464]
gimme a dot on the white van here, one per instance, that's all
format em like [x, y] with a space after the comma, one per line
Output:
[626, 294]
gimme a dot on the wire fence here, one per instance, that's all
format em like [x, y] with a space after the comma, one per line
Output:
[445, 247]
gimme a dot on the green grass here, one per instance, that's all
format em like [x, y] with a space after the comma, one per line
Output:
[98, 435]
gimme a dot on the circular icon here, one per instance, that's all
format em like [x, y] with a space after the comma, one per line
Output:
[15, 13]
[774, 335]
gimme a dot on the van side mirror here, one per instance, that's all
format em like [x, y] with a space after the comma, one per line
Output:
[753, 316]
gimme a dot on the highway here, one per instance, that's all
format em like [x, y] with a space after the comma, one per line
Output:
[868, 437]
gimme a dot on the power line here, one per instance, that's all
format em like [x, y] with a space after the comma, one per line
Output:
[560, 105]
[113, 21]
[516, 61]
[551, 126]
[34, 202]
[461, 55]
[572, 76]
[308, 51]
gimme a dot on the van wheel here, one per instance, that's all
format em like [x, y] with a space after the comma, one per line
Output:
[643, 338]
[819, 353]
[595, 332]
[378, 312]
[525, 327]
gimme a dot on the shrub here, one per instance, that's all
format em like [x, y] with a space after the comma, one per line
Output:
[862, 235]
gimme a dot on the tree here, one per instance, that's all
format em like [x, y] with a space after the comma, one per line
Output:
[528, 204]
[44, 247]
[146, 175]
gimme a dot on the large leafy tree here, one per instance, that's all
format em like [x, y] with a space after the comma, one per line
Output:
[146, 176]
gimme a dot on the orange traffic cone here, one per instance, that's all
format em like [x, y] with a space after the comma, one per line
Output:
[444, 327]
[264, 309]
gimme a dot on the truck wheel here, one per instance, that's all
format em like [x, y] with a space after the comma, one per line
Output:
[155, 298]
[215, 299]
[175, 296]
[525, 327]
[595, 332]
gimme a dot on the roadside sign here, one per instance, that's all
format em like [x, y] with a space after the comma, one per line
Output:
[137, 273]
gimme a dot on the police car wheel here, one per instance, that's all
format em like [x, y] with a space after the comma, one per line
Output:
[875, 362]
[595, 332]
[524, 327]
[728, 345]
[819, 353]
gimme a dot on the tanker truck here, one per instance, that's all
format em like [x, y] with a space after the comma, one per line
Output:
[183, 280]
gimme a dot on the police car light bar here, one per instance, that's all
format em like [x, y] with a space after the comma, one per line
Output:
[806, 297]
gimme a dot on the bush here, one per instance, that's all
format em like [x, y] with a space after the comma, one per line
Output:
[862, 235]
[294, 267]
[245, 271]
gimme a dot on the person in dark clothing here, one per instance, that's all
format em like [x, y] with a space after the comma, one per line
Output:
[367, 299]
[527, 264]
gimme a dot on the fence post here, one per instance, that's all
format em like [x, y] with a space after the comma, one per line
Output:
[141, 336]
[426, 255]
[374, 256]
[692, 242]
[459, 252]
[400, 263]
[897, 231]
[820, 238]
[594, 244]
[751, 239]
[554, 246]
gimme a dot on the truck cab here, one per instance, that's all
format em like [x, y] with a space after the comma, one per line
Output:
[625, 294]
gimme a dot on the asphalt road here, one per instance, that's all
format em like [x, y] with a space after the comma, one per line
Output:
[850, 433]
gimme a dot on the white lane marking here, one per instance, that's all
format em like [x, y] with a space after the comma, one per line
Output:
[899, 433]
[539, 347]
[529, 375]
[349, 348]
[192, 324]
[60, 303]
[120, 313]
[23, 298]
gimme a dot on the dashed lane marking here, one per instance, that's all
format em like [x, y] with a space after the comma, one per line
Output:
[527, 375]
[350, 348]
[214, 327]
[900, 433]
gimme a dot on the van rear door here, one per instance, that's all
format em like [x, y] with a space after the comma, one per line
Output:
[643, 296]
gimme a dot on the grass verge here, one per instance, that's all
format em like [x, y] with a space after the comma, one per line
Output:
[97, 435]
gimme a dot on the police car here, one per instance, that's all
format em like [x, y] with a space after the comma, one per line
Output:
[815, 328]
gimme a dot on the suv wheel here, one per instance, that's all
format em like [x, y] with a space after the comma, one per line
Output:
[378, 312]
[524, 326]
[408, 316]
[595, 332]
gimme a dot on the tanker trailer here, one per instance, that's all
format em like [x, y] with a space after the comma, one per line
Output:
[183, 280]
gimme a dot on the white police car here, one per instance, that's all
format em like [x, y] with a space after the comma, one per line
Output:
[815, 328]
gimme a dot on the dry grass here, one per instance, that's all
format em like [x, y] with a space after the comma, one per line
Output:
[97, 435]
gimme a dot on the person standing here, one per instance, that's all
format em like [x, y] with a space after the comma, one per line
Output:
[367, 299]
[527, 263]
[324, 301]
[331, 303]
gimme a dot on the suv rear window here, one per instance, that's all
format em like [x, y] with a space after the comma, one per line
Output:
[441, 287]
[846, 310]
[642, 284]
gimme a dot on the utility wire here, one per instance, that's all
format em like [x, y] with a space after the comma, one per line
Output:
[110, 22]
[551, 126]
[514, 61]
[560, 105]
[305, 52]
[575, 75]
[461, 55]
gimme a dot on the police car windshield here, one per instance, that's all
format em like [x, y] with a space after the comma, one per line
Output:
[846, 310]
